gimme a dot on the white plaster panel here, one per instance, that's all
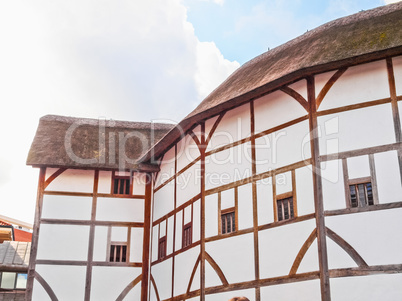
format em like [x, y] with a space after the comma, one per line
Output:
[300, 291]
[105, 182]
[358, 167]
[100, 243]
[228, 166]
[183, 267]
[275, 109]
[73, 180]
[284, 147]
[234, 126]
[333, 188]
[211, 277]
[109, 282]
[167, 167]
[162, 273]
[188, 184]
[187, 215]
[119, 234]
[39, 293]
[388, 177]
[67, 282]
[187, 151]
[211, 215]
[386, 287]
[245, 203]
[63, 242]
[139, 182]
[300, 87]
[310, 261]
[135, 293]
[155, 239]
[280, 246]
[397, 63]
[304, 191]
[283, 182]
[358, 84]
[369, 234]
[179, 230]
[120, 209]
[122, 173]
[249, 294]
[227, 199]
[209, 124]
[162, 228]
[137, 236]
[337, 257]
[169, 236]
[196, 280]
[320, 80]
[196, 220]
[67, 207]
[360, 128]
[265, 201]
[164, 200]
[238, 264]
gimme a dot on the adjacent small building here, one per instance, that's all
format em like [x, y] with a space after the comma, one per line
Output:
[283, 184]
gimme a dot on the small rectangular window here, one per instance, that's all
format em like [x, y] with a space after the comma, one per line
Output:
[285, 208]
[8, 280]
[118, 253]
[162, 248]
[228, 221]
[187, 235]
[121, 185]
[361, 195]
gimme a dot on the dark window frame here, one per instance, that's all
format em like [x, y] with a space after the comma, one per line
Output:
[361, 188]
[228, 214]
[187, 236]
[162, 250]
[122, 249]
[285, 208]
[121, 185]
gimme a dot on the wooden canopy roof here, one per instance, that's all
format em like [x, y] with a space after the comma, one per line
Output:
[362, 37]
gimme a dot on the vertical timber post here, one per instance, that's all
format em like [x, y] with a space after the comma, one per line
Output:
[146, 238]
[318, 198]
[35, 234]
[202, 230]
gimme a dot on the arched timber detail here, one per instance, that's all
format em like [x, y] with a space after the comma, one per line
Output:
[54, 176]
[213, 129]
[300, 99]
[328, 86]
[195, 138]
[217, 269]
[46, 286]
[303, 251]
[347, 247]
[197, 262]
[128, 288]
[155, 288]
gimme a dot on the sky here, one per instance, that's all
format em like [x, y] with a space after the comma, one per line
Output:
[131, 60]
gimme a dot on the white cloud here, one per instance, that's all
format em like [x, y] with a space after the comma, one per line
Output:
[391, 1]
[130, 60]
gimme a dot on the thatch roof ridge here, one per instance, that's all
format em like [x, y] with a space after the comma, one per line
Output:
[108, 122]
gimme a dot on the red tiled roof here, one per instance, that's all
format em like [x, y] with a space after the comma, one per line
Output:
[2, 223]
[21, 235]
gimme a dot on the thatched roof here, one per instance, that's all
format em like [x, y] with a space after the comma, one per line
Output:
[359, 38]
[91, 143]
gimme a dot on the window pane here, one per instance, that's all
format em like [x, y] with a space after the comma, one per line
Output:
[369, 191]
[121, 186]
[21, 281]
[362, 197]
[285, 209]
[118, 250]
[279, 205]
[353, 197]
[291, 208]
[127, 184]
[124, 252]
[8, 280]
[112, 255]
[116, 186]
